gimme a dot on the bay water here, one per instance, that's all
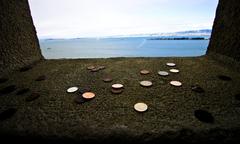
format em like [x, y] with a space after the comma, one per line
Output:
[121, 47]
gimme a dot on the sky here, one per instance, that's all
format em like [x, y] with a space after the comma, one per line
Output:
[99, 18]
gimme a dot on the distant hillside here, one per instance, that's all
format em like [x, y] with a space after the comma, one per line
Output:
[203, 32]
[207, 31]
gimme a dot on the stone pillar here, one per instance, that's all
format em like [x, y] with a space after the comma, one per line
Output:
[225, 39]
[19, 44]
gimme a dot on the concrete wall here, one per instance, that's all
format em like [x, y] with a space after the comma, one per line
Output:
[225, 38]
[19, 45]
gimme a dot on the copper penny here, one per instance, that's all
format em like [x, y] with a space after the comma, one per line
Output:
[140, 107]
[88, 95]
[144, 72]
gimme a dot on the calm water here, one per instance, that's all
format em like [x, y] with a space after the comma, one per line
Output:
[121, 47]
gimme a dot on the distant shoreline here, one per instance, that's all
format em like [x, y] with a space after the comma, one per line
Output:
[147, 38]
[202, 34]
[181, 38]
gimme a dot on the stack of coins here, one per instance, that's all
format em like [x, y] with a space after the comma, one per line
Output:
[117, 88]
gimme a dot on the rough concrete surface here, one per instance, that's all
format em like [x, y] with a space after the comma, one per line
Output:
[55, 117]
[18, 40]
[226, 30]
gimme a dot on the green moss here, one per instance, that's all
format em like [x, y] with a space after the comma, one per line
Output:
[170, 108]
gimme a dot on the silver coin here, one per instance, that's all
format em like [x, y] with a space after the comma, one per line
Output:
[144, 72]
[163, 73]
[176, 83]
[174, 70]
[72, 89]
[146, 83]
[117, 86]
[171, 64]
[140, 107]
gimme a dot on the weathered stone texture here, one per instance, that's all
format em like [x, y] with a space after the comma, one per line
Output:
[19, 45]
[225, 38]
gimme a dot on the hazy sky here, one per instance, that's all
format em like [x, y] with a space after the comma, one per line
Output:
[96, 18]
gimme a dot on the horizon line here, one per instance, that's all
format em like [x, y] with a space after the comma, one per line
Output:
[128, 35]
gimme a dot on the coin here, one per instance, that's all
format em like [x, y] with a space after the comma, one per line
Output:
[171, 64]
[95, 70]
[101, 67]
[174, 70]
[140, 107]
[163, 73]
[144, 72]
[72, 89]
[117, 86]
[146, 83]
[88, 95]
[90, 67]
[116, 91]
[107, 79]
[176, 83]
